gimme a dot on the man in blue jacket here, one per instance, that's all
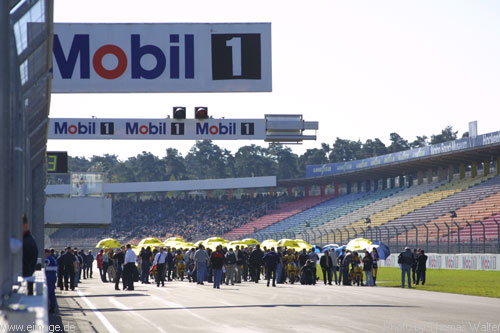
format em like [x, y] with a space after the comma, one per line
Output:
[51, 274]
[405, 260]
[271, 260]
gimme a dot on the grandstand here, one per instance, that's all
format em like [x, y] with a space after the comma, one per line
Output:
[402, 199]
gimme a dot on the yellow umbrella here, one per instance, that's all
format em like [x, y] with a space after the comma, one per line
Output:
[250, 241]
[150, 241]
[215, 239]
[269, 243]
[303, 244]
[190, 245]
[359, 244]
[288, 243]
[176, 244]
[108, 243]
[177, 239]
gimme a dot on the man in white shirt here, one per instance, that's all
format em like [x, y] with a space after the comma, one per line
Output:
[129, 268]
[159, 261]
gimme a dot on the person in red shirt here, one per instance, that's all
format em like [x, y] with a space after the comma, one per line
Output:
[99, 259]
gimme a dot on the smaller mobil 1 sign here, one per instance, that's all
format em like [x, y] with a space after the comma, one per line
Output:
[157, 129]
[167, 57]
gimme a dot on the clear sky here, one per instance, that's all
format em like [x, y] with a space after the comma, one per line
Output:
[363, 69]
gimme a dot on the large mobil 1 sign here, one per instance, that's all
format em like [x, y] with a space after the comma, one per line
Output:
[156, 129]
[167, 57]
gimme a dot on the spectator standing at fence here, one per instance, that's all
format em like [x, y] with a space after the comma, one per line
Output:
[405, 261]
[376, 258]
[421, 267]
[367, 268]
[414, 266]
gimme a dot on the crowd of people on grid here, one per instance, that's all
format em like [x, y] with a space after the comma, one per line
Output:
[277, 266]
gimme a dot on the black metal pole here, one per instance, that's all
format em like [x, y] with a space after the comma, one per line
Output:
[397, 238]
[416, 235]
[484, 236]
[458, 234]
[437, 227]
[426, 237]
[448, 227]
[498, 235]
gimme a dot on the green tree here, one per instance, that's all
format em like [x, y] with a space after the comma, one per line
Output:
[372, 148]
[206, 160]
[397, 143]
[285, 161]
[420, 141]
[447, 134]
[345, 150]
[175, 164]
[147, 167]
[253, 161]
[311, 157]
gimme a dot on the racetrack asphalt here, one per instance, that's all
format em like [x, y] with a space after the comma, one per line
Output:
[181, 306]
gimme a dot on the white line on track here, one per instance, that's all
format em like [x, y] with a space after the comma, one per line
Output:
[123, 306]
[182, 307]
[99, 315]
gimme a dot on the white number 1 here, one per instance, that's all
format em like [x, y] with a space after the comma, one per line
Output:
[235, 44]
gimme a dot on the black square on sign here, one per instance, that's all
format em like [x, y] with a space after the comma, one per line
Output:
[247, 129]
[177, 128]
[236, 56]
[107, 128]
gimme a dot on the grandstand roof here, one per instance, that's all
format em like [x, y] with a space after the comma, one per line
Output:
[397, 168]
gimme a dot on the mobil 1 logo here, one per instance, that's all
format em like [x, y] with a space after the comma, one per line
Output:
[236, 56]
[247, 129]
[177, 128]
[107, 128]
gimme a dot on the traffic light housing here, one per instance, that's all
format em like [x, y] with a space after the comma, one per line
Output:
[179, 112]
[200, 112]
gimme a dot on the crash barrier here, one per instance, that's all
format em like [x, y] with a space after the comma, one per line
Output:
[479, 262]
[25, 312]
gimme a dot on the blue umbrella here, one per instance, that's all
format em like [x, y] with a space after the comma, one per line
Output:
[329, 247]
[382, 250]
[339, 249]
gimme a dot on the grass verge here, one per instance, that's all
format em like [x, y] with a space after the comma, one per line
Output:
[477, 283]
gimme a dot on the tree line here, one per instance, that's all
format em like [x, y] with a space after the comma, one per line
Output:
[207, 160]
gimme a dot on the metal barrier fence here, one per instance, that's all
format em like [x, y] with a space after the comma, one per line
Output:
[461, 240]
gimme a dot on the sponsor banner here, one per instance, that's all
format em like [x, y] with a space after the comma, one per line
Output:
[163, 57]
[412, 154]
[484, 262]
[157, 129]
